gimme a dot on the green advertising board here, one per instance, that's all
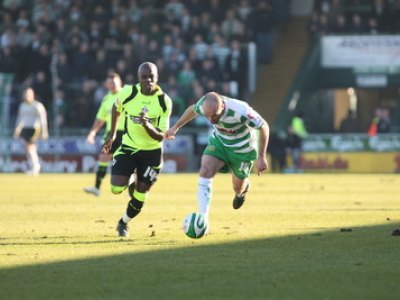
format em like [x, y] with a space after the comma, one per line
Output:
[5, 90]
[352, 143]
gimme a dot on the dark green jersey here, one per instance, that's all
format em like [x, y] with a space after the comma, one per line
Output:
[131, 102]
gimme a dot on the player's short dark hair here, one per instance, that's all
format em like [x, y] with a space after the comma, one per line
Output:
[113, 75]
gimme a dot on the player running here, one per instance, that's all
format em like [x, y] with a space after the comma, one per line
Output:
[146, 110]
[232, 145]
[103, 116]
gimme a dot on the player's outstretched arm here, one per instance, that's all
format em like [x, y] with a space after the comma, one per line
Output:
[262, 163]
[186, 117]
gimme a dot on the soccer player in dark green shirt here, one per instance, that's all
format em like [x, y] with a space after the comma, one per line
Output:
[103, 117]
[146, 110]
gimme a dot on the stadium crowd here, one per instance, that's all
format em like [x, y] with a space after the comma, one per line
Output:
[64, 48]
[354, 17]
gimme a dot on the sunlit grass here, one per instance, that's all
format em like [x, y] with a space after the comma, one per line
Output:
[291, 228]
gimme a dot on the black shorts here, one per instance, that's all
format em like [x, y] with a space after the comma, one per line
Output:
[117, 142]
[145, 163]
[30, 135]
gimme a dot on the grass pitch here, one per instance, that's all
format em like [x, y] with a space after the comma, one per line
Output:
[296, 237]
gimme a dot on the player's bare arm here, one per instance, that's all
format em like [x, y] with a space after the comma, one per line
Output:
[17, 131]
[43, 122]
[97, 125]
[262, 163]
[186, 117]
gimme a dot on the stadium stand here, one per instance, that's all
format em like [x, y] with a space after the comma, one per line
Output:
[64, 48]
[354, 17]
[309, 85]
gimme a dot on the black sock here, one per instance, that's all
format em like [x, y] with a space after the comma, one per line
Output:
[134, 208]
[100, 174]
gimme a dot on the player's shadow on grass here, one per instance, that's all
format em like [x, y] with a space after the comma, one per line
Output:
[358, 264]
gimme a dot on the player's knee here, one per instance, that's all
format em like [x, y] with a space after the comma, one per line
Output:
[116, 189]
[206, 172]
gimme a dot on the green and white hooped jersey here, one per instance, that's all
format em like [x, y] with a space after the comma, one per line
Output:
[236, 127]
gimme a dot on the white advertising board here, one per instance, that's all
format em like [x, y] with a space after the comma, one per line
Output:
[360, 51]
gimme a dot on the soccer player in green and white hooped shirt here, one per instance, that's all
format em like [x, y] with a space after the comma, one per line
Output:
[146, 109]
[233, 146]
